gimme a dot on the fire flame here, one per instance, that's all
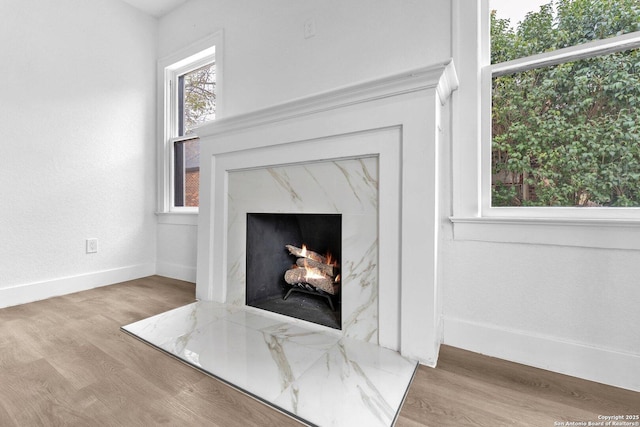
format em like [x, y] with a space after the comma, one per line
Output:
[312, 273]
[319, 270]
[330, 261]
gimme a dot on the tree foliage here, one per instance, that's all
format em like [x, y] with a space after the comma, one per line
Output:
[199, 96]
[567, 135]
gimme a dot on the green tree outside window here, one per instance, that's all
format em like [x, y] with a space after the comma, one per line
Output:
[568, 134]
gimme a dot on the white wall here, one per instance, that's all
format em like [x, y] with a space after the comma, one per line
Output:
[268, 61]
[579, 295]
[77, 116]
[177, 249]
[565, 309]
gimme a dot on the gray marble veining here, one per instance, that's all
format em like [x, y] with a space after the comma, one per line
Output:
[349, 187]
[313, 374]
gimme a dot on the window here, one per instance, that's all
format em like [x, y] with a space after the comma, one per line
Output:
[195, 98]
[563, 126]
[190, 83]
[598, 224]
[186, 173]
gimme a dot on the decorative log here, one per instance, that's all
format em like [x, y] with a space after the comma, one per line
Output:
[306, 253]
[312, 276]
[329, 270]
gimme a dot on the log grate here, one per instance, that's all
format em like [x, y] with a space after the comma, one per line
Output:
[310, 290]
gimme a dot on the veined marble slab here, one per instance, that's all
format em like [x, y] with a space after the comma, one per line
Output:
[312, 373]
[348, 187]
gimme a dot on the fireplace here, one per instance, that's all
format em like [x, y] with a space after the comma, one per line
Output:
[371, 152]
[281, 251]
[331, 206]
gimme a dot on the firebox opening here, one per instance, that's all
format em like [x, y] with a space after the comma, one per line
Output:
[270, 239]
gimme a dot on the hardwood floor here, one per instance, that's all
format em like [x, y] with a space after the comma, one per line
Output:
[64, 361]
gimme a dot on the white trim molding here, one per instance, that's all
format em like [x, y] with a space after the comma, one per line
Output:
[178, 218]
[572, 53]
[176, 271]
[602, 365]
[441, 77]
[37, 291]
[578, 232]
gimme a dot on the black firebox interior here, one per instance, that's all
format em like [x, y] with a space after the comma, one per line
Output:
[268, 260]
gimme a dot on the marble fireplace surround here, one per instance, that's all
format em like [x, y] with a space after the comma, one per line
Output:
[393, 126]
[344, 186]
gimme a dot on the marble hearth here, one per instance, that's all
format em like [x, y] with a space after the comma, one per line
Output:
[369, 152]
[311, 374]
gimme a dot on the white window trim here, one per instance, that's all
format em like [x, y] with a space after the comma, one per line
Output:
[473, 217]
[169, 67]
[584, 51]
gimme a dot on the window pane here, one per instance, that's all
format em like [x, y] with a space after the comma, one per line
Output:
[197, 98]
[527, 27]
[568, 135]
[187, 173]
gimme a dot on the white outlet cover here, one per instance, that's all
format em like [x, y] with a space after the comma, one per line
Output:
[309, 28]
[92, 246]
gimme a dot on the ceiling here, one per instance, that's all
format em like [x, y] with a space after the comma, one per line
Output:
[156, 8]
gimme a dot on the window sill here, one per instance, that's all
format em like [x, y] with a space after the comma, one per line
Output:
[178, 218]
[578, 232]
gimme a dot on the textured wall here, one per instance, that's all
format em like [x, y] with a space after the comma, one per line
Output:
[580, 295]
[267, 60]
[565, 309]
[77, 115]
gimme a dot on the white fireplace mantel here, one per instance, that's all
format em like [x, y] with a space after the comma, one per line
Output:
[394, 119]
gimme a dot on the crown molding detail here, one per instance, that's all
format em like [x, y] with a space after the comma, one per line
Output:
[442, 77]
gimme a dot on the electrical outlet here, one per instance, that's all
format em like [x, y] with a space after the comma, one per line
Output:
[92, 246]
[309, 28]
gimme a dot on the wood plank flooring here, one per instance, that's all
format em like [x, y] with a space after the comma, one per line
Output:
[64, 361]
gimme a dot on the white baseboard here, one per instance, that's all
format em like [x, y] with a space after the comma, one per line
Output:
[176, 271]
[31, 292]
[579, 360]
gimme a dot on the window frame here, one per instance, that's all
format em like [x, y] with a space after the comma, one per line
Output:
[170, 68]
[574, 53]
[472, 217]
